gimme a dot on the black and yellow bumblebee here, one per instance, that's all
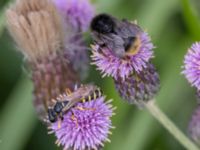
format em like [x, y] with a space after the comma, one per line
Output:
[121, 36]
[65, 102]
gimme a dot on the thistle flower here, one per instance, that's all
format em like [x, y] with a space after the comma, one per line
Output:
[77, 12]
[77, 53]
[37, 29]
[85, 128]
[76, 16]
[120, 47]
[192, 65]
[194, 126]
[139, 87]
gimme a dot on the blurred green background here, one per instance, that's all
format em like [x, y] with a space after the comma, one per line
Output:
[173, 26]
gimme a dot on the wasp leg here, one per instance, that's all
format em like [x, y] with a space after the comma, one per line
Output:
[84, 108]
[73, 117]
[68, 91]
[59, 123]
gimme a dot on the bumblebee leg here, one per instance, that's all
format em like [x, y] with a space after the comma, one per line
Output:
[73, 117]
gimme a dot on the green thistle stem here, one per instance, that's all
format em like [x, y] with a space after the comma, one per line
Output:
[170, 126]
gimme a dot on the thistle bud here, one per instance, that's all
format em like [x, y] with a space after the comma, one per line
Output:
[139, 87]
[194, 126]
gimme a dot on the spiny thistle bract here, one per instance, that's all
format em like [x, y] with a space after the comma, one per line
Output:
[139, 87]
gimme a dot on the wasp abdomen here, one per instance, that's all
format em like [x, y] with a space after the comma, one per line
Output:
[96, 94]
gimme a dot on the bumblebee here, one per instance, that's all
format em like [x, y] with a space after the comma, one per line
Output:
[66, 102]
[120, 36]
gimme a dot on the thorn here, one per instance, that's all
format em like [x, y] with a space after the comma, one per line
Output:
[110, 132]
[50, 132]
[108, 140]
[58, 142]
[92, 46]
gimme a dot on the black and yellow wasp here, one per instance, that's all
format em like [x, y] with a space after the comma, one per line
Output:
[65, 102]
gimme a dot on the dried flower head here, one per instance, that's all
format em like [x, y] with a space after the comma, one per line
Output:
[121, 47]
[85, 126]
[77, 12]
[37, 29]
[192, 65]
[194, 126]
[139, 87]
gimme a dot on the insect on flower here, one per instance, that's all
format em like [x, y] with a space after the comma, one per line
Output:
[119, 35]
[65, 102]
[120, 47]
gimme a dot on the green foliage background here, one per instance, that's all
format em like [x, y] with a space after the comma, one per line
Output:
[173, 25]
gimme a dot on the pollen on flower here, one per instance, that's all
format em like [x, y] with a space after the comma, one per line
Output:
[86, 126]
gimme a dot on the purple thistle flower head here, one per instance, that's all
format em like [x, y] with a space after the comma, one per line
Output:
[78, 12]
[77, 53]
[139, 87]
[124, 48]
[194, 126]
[85, 126]
[192, 65]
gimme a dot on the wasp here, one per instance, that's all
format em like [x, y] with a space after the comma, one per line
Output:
[121, 36]
[65, 102]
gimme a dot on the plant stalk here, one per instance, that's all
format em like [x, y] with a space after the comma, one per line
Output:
[169, 125]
